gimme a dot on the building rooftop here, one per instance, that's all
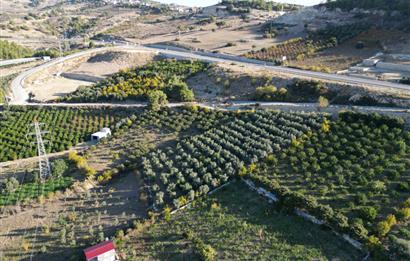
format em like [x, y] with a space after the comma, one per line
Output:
[98, 249]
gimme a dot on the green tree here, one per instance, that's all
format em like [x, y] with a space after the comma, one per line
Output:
[11, 184]
[323, 102]
[368, 213]
[156, 100]
[58, 168]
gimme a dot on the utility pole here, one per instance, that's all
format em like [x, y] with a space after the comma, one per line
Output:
[43, 163]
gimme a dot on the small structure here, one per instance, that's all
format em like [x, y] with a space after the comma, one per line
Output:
[104, 251]
[103, 133]
[370, 62]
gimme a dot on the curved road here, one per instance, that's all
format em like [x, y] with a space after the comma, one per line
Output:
[20, 96]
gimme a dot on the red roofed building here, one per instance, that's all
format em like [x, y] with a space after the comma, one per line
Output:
[104, 251]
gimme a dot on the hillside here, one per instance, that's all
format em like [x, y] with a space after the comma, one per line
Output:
[245, 130]
[386, 5]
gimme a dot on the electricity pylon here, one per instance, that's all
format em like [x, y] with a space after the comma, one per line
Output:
[43, 163]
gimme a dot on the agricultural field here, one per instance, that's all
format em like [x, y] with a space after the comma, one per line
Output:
[359, 166]
[202, 162]
[198, 165]
[234, 223]
[176, 156]
[33, 190]
[399, 238]
[66, 127]
[301, 48]
[136, 84]
[101, 187]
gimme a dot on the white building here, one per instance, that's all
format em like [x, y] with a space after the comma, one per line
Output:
[103, 133]
[104, 251]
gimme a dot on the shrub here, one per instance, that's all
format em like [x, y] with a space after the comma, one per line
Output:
[204, 251]
[403, 213]
[59, 167]
[167, 214]
[11, 184]
[383, 227]
[323, 102]
[156, 100]
[358, 229]
[368, 213]
[11, 50]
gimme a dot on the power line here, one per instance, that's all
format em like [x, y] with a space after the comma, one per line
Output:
[43, 162]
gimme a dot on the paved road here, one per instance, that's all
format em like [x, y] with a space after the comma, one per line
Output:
[18, 61]
[235, 105]
[212, 57]
[20, 96]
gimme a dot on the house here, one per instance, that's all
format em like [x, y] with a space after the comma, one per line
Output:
[215, 10]
[103, 133]
[104, 251]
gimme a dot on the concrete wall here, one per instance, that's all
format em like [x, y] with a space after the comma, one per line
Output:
[393, 67]
[82, 77]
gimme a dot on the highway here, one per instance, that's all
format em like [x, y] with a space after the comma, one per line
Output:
[18, 61]
[20, 96]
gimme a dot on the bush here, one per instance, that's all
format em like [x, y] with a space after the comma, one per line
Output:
[53, 53]
[166, 75]
[204, 251]
[156, 100]
[11, 50]
[368, 213]
[270, 93]
[11, 184]
[186, 95]
[383, 227]
[403, 213]
[58, 167]
[323, 102]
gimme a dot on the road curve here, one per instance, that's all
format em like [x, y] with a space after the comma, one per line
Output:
[20, 96]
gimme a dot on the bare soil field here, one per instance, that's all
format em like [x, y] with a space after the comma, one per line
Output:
[25, 230]
[8, 70]
[236, 37]
[49, 83]
[237, 82]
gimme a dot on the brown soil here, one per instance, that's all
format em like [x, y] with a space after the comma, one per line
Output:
[347, 55]
[243, 81]
[89, 205]
[48, 84]
[117, 204]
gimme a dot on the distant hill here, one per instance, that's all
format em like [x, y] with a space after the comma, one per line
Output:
[387, 5]
[259, 4]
